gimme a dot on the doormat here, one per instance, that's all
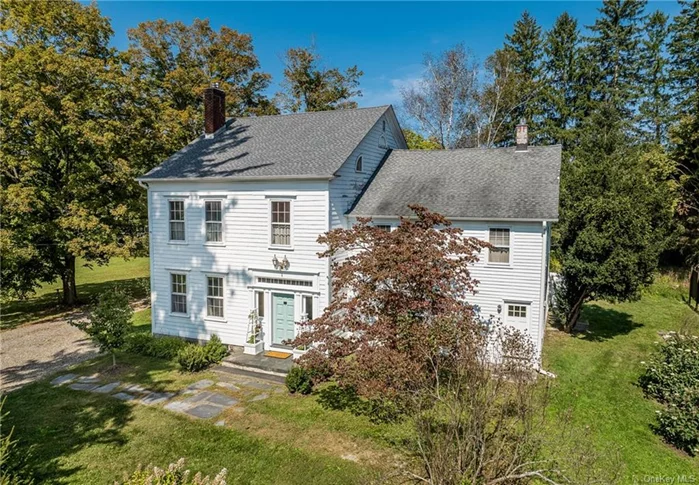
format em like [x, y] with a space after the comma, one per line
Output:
[277, 355]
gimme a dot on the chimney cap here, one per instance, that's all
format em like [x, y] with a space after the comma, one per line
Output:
[522, 121]
[216, 85]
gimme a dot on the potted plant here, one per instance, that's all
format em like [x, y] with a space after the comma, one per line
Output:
[253, 343]
[298, 351]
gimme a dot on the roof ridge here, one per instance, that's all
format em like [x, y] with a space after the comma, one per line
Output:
[447, 150]
[384, 106]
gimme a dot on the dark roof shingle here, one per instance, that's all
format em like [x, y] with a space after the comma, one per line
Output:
[295, 145]
[496, 183]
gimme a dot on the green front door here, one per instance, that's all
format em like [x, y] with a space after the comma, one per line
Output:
[283, 317]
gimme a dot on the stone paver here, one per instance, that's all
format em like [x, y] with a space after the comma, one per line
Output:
[107, 388]
[82, 386]
[228, 385]
[156, 398]
[88, 379]
[260, 397]
[178, 406]
[123, 396]
[221, 400]
[220, 423]
[135, 388]
[199, 385]
[262, 386]
[60, 380]
[205, 411]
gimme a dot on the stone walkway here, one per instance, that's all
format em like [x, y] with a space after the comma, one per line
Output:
[205, 399]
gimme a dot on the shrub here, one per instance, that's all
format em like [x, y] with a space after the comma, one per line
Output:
[673, 370]
[151, 346]
[192, 358]
[299, 380]
[215, 350]
[174, 475]
[195, 358]
[14, 469]
[109, 322]
[672, 377]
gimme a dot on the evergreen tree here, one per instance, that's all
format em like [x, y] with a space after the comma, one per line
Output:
[616, 208]
[526, 44]
[684, 51]
[614, 46]
[562, 96]
[655, 109]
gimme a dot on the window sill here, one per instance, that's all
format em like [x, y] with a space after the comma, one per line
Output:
[280, 248]
[216, 319]
[499, 265]
[180, 315]
[178, 243]
[215, 244]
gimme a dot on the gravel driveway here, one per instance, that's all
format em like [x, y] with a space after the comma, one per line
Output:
[31, 352]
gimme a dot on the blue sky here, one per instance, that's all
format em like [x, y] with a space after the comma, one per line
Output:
[385, 40]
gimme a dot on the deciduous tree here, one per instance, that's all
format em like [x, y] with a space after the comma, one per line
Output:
[397, 293]
[444, 103]
[178, 61]
[68, 188]
[308, 86]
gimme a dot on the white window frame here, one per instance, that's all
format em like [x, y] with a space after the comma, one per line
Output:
[222, 223]
[304, 306]
[517, 307]
[509, 247]
[186, 293]
[170, 220]
[222, 277]
[359, 164]
[289, 247]
[385, 227]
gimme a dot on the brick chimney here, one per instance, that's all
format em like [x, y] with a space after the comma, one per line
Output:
[214, 110]
[522, 136]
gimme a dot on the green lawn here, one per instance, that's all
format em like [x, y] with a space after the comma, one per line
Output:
[45, 303]
[598, 374]
[78, 437]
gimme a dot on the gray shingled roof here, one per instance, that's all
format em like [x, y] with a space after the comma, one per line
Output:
[294, 145]
[496, 183]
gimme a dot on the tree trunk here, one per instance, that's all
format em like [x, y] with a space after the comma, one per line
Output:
[70, 291]
[575, 312]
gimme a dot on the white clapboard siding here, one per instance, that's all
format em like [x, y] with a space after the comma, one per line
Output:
[246, 248]
[519, 282]
[348, 183]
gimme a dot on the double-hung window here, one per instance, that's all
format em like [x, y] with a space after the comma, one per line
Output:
[214, 296]
[214, 221]
[178, 293]
[176, 214]
[500, 250]
[281, 223]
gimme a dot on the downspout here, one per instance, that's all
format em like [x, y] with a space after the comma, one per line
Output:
[543, 295]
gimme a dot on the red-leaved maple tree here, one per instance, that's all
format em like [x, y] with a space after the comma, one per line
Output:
[399, 304]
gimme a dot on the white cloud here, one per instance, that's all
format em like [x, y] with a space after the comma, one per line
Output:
[388, 90]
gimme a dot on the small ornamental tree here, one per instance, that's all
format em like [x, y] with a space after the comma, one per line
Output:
[109, 322]
[395, 295]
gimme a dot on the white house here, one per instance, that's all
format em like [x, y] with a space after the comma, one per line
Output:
[252, 195]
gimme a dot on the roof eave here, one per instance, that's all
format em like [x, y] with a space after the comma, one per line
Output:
[236, 179]
[479, 219]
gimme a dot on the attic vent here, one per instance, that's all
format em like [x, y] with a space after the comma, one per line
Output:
[382, 142]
